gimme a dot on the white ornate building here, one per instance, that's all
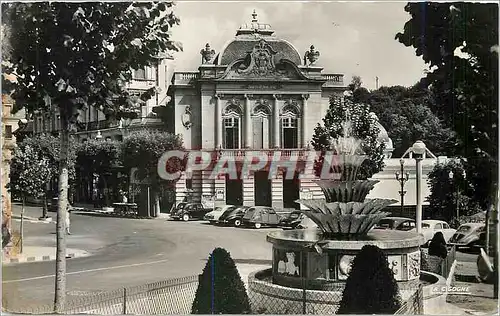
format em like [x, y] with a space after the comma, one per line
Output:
[257, 94]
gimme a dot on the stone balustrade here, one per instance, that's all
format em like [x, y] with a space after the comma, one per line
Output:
[185, 78]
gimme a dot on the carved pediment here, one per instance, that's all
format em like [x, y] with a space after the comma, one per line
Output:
[261, 63]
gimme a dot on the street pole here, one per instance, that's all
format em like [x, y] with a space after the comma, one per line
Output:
[402, 178]
[418, 160]
[21, 228]
[149, 203]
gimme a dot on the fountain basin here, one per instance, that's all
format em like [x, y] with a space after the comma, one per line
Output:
[295, 257]
[269, 298]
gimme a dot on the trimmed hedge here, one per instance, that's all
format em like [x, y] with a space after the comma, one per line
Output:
[221, 290]
[371, 287]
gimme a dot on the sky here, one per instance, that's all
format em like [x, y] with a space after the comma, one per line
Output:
[353, 38]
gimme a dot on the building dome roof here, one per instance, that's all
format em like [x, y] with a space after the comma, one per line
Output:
[249, 35]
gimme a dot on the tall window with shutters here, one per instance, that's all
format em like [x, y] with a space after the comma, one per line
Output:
[289, 124]
[231, 132]
[260, 127]
[289, 132]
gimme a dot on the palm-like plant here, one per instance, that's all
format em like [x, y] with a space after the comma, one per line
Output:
[345, 218]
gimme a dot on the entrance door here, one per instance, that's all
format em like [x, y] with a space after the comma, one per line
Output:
[262, 188]
[260, 132]
[291, 193]
[234, 191]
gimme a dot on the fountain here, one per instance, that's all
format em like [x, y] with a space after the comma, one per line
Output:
[319, 259]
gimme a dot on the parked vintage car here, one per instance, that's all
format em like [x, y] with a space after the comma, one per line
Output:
[191, 211]
[432, 226]
[396, 223]
[213, 216]
[233, 217]
[179, 207]
[258, 216]
[292, 220]
[468, 235]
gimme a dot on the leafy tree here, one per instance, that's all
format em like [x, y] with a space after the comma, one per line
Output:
[221, 290]
[359, 94]
[29, 173]
[363, 126]
[449, 195]
[466, 83]
[47, 147]
[406, 115]
[459, 42]
[100, 158]
[142, 150]
[87, 64]
[370, 287]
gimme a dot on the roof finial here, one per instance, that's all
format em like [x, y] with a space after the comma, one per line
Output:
[254, 16]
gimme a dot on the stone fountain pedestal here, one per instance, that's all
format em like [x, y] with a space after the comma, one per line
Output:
[324, 268]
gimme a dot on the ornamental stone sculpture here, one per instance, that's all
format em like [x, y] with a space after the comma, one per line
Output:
[207, 54]
[311, 55]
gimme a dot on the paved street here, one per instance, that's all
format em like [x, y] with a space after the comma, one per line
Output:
[126, 252]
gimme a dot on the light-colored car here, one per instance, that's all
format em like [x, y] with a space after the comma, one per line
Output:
[213, 216]
[396, 223]
[468, 235]
[432, 226]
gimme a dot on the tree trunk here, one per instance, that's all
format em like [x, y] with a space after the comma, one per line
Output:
[45, 206]
[105, 190]
[21, 228]
[60, 284]
[494, 241]
[157, 204]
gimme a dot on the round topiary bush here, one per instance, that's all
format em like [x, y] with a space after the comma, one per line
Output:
[371, 287]
[220, 290]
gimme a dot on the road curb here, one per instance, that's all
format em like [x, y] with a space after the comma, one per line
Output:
[18, 260]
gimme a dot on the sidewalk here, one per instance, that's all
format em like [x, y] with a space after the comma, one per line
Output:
[33, 254]
[480, 301]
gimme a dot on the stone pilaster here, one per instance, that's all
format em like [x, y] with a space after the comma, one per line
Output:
[197, 186]
[220, 184]
[303, 124]
[180, 188]
[248, 123]
[277, 191]
[207, 186]
[218, 121]
[276, 122]
[248, 191]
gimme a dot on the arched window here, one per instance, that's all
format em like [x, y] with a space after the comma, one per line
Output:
[260, 123]
[290, 125]
[231, 122]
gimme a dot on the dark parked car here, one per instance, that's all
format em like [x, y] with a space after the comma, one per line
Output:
[292, 221]
[191, 211]
[258, 216]
[179, 207]
[468, 235]
[233, 217]
[396, 223]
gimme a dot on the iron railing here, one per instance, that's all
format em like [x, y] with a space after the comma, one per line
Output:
[176, 296]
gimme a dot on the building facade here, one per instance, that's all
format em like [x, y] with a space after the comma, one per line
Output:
[257, 94]
[9, 125]
[92, 121]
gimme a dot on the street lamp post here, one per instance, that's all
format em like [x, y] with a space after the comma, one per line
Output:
[402, 178]
[451, 175]
[418, 151]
